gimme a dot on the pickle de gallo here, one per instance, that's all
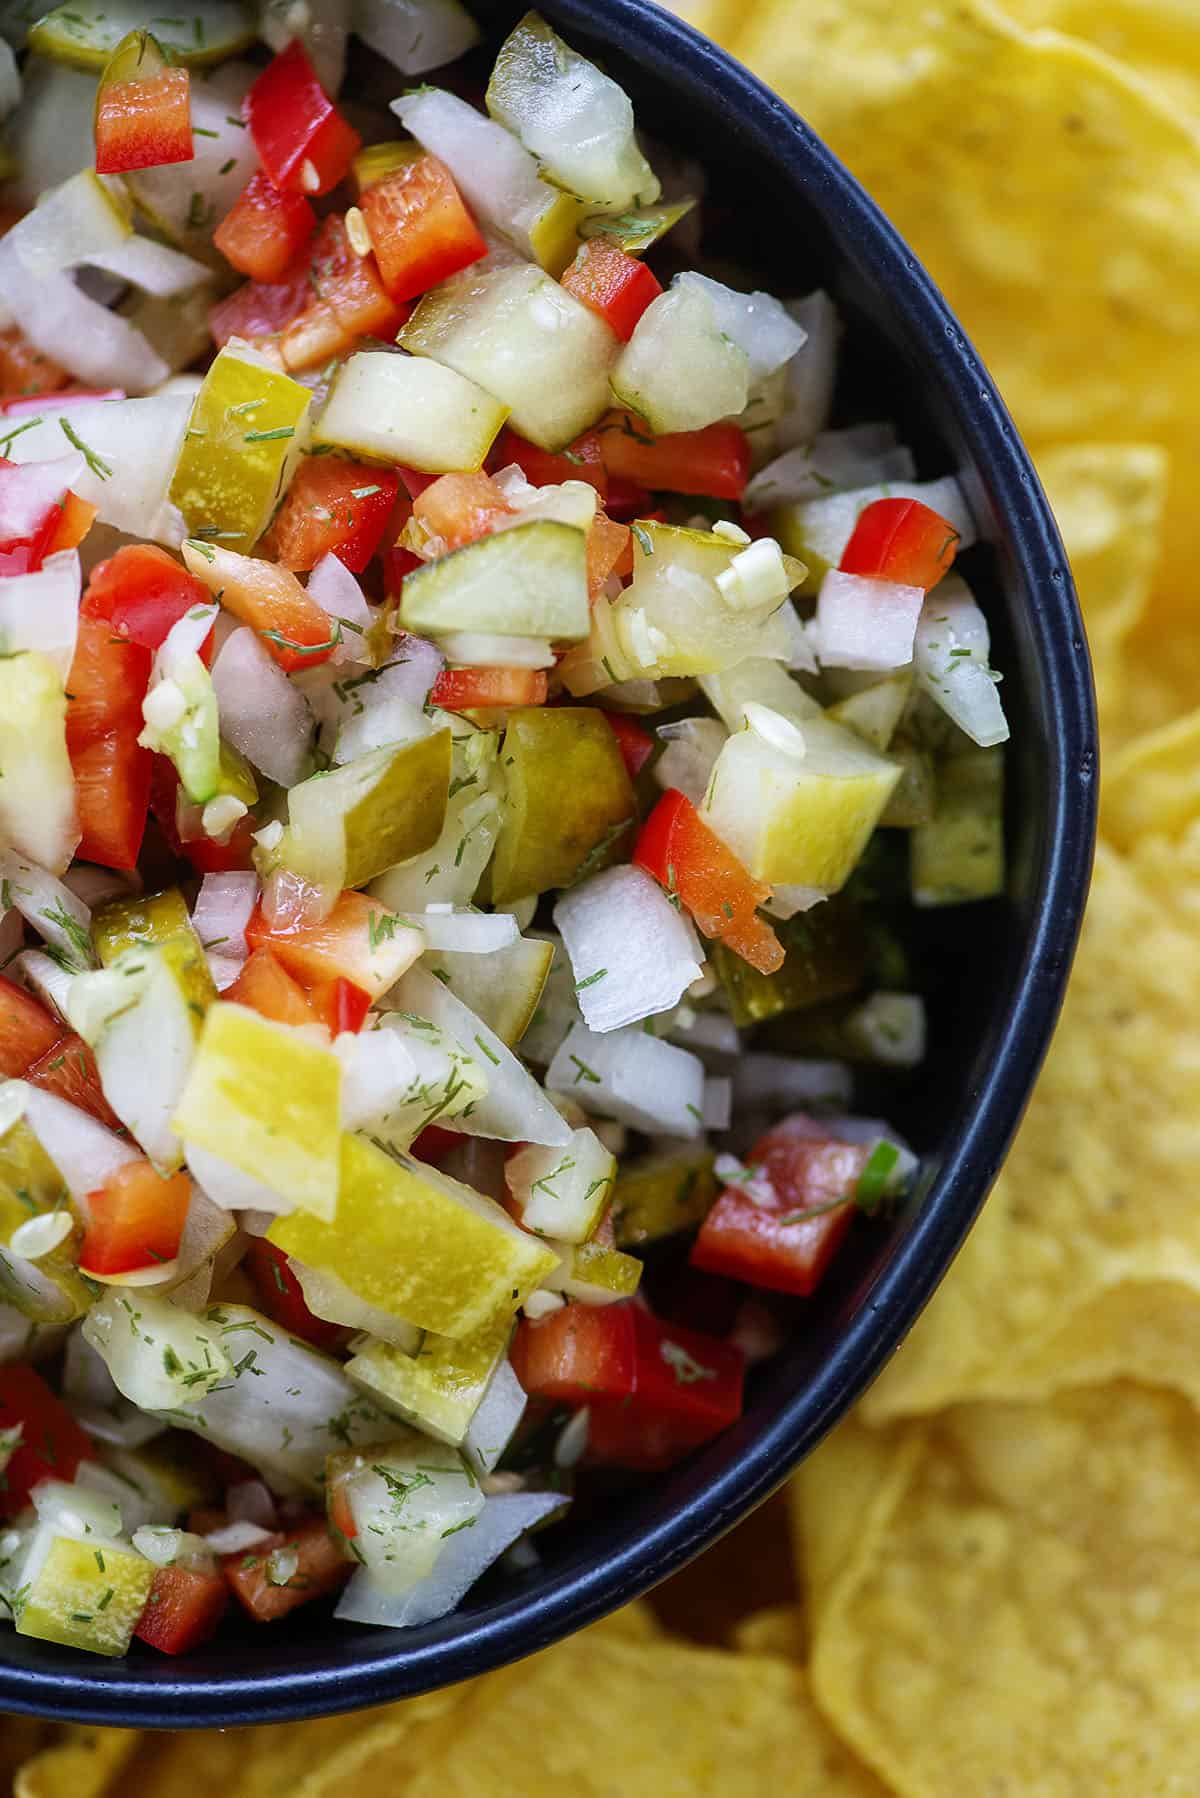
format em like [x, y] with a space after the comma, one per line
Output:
[455, 683]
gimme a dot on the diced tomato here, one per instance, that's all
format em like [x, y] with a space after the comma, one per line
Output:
[261, 310]
[51, 1445]
[134, 1220]
[714, 461]
[183, 1609]
[142, 592]
[420, 230]
[27, 1029]
[206, 855]
[350, 302]
[34, 495]
[415, 479]
[689, 859]
[264, 230]
[295, 630]
[24, 370]
[282, 1298]
[69, 1071]
[340, 1005]
[340, 945]
[143, 124]
[397, 563]
[687, 1388]
[335, 506]
[74, 522]
[107, 682]
[434, 1143]
[766, 1239]
[900, 540]
[267, 988]
[468, 689]
[303, 142]
[578, 1354]
[322, 1568]
[580, 461]
[458, 508]
[626, 499]
[633, 740]
[609, 552]
[106, 685]
[616, 287]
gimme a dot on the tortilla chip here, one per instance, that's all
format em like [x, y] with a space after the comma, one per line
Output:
[634, 1622]
[1152, 788]
[1159, 44]
[84, 1764]
[265, 1762]
[1097, 1189]
[779, 1630]
[1016, 1610]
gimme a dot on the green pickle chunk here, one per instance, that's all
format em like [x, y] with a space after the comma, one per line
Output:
[825, 957]
[569, 800]
[347, 826]
[958, 855]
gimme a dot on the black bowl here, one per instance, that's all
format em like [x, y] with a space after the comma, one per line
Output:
[798, 220]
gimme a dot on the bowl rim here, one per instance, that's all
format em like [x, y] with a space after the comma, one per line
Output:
[149, 1696]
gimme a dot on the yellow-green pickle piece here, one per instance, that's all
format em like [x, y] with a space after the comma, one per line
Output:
[594, 1273]
[569, 800]
[659, 1194]
[959, 854]
[439, 1388]
[160, 921]
[418, 1244]
[825, 956]
[85, 1594]
[48, 1289]
[353, 823]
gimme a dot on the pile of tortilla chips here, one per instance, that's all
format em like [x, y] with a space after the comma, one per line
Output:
[998, 1557]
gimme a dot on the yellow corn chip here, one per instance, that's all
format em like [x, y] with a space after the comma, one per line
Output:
[1159, 43]
[778, 1630]
[85, 1764]
[1152, 788]
[1008, 1604]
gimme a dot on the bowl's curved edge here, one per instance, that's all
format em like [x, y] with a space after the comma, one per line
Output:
[119, 1693]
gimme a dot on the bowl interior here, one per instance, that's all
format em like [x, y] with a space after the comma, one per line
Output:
[794, 220]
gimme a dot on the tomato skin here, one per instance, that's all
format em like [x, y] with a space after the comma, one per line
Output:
[134, 1220]
[460, 508]
[633, 740]
[616, 287]
[52, 1444]
[264, 230]
[340, 1005]
[107, 683]
[144, 124]
[340, 945]
[322, 1569]
[797, 1167]
[294, 123]
[580, 461]
[265, 986]
[714, 462]
[677, 847]
[183, 1610]
[434, 1143]
[466, 689]
[281, 1297]
[27, 1029]
[141, 592]
[330, 508]
[609, 551]
[900, 540]
[69, 1071]
[577, 1355]
[420, 230]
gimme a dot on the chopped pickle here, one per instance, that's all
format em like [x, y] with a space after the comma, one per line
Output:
[915, 795]
[594, 1273]
[554, 233]
[959, 854]
[638, 230]
[37, 792]
[418, 1244]
[825, 957]
[161, 921]
[49, 1289]
[429, 1079]
[438, 1389]
[569, 800]
[874, 712]
[659, 1194]
[530, 581]
[374, 161]
[503, 988]
[82, 1597]
[245, 433]
[267, 1101]
[84, 34]
[354, 822]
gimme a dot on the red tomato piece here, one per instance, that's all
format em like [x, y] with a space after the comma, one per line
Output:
[714, 462]
[282, 1297]
[458, 508]
[340, 1005]
[335, 506]
[420, 230]
[112, 795]
[134, 1220]
[69, 1071]
[689, 859]
[580, 461]
[74, 522]
[295, 630]
[267, 988]
[340, 945]
[900, 540]
[626, 499]
[183, 1609]
[415, 479]
[687, 1388]
[321, 1568]
[51, 1445]
[609, 551]
[23, 368]
[397, 563]
[27, 1029]
[351, 302]
[107, 682]
[434, 1142]
[206, 855]
[578, 1354]
[767, 1240]
[143, 124]
[633, 740]
[142, 592]
[468, 689]
[264, 230]
[303, 142]
[261, 310]
[616, 287]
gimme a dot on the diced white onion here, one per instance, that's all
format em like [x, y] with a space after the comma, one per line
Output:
[221, 913]
[890, 1028]
[718, 1102]
[415, 35]
[75, 1512]
[771, 1080]
[633, 1077]
[693, 745]
[84, 1152]
[467, 932]
[633, 954]
[870, 1131]
[496, 1417]
[250, 1501]
[237, 1538]
[41, 610]
[61, 919]
[228, 1187]
[29, 491]
[866, 624]
[479, 649]
[96, 345]
[811, 372]
[380, 720]
[951, 660]
[38, 1236]
[134, 446]
[495, 174]
[155, 268]
[831, 463]
[339, 595]
[262, 714]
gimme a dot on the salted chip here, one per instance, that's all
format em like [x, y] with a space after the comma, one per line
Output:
[1015, 1611]
[1160, 44]
[265, 1762]
[1097, 1190]
[1152, 788]
[778, 1630]
[84, 1764]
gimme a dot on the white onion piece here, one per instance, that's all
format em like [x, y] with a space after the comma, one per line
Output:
[44, 976]
[136, 441]
[951, 660]
[811, 372]
[467, 932]
[262, 714]
[415, 35]
[756, 322]
[237, 1538]
[60, 918]
[249, 1501]
[836, 460]
[219, 917]
[718, 1102]
[39, 1236]
[381, 720]
[210, 1241]
[74, 1512]
[229, 1188]
[495, 174]
[155, 268]
[330, 1298]
[28, 491]
[711, 1032]
[635, 1078]
[51, 134]
[481, 649]
[378, 1069]
[71, 221]
[770, 1080]
[94, 344]
[83, 1151]
[338, 594]
[322, 26]
[124, 1426]
[692, 747]
[866, 624]
[496, 1417]
[786, 901]
[85, 1377]
[466, 1556]
[121, 1009]
[41, 610]
[632, 953]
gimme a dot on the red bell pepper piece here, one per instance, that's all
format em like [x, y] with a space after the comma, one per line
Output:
[69, 1071]
[282, 1297]
[335, 506]
[37, 1046]
[340, 1005]
[690, 860]
[340, 945]
[206, 855]
[350, 302]
[134, 1220]
[626, 499]
[183, 1609]
[577, 1355]
[264, 230]
[466, 689]
[142, 592]
[74, 522]
[714, 461]
[633, 740]
[261, 310]
[51, 1445]
[107, 683]
[267, 988]
[900, 540]
[458, 508]
[322, 1568]
[145, 123]
[303, 142]
[420, 230]
[616, 287]
[769, 1239]
[580, 461]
